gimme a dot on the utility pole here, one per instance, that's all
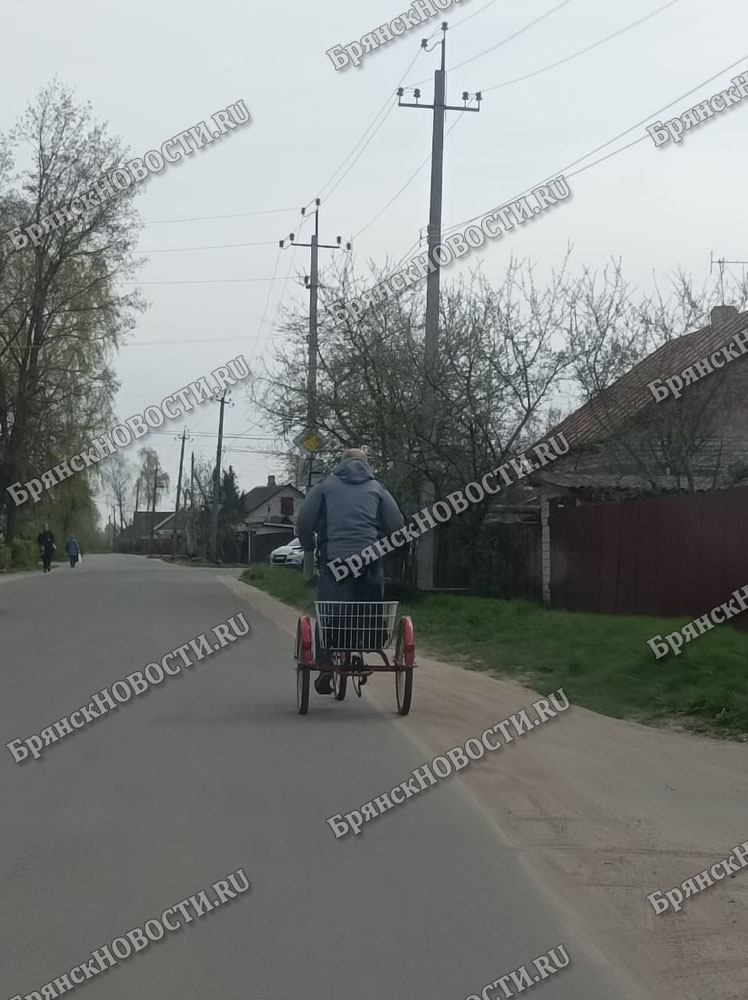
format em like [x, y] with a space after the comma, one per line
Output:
[217, 484]
[175, 529]
[312, 283]
[192, 479]
[137, 495]
[427, 542]
[153, 508]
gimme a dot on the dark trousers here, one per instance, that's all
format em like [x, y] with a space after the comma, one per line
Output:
[73, 561]
[47, 559]
[369, 587]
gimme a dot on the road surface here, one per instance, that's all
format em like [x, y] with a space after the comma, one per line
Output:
[213, 770]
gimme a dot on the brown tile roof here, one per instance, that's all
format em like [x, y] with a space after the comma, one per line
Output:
[630, 394]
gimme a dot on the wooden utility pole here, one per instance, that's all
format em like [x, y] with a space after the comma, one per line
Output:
[427, 542]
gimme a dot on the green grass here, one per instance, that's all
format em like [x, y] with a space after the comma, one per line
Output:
[603, 662]
[285, 583]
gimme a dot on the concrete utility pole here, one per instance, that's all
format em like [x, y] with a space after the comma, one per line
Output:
[153, 508]
[175, 529]
[312, 283]
[217, 484]
[427, 542]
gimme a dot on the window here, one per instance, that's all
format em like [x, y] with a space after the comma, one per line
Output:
[287, 506]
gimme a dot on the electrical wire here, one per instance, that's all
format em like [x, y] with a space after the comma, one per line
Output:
[581, 52]
[649, 117]
[204, 218]
[220, 246]
[265, 308]
[504, 41]
[405, 185]
[201, 340]
[471, 16]
[198, 281]
[461, 225]
[387, 109]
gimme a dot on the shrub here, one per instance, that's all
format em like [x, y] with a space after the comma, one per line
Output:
[24, 554]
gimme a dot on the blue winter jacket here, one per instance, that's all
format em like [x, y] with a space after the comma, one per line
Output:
[349, 510]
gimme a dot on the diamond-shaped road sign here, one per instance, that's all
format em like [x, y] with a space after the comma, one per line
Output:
[309, 440]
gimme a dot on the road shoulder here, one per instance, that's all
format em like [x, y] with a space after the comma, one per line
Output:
[604, 812]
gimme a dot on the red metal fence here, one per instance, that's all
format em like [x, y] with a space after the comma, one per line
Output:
[677, 555]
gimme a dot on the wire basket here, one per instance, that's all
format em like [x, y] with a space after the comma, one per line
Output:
[365, 626]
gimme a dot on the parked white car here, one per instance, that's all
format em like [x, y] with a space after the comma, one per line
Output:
[288, 555]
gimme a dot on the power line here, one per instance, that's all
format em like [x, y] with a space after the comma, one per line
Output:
[504, 41]
[460, 225]
[220, 246]
[471, 16]
[406, 184]
[199, 340]
[387, 108]
[304, 220]
[265, 308]
[581, 52]
[228, 437]
[198, 281]
[233, 215]
[615, 138]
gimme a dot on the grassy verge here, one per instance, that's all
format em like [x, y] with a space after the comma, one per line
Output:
[603, 662]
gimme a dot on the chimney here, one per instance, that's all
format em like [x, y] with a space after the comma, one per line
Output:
[271, 479]
[721, 315]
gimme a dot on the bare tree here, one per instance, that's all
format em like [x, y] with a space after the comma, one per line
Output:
[681, 444]
[502, 354]
[152, 478]
[119, 479]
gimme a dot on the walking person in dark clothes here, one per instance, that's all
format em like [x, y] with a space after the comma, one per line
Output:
[349, 510]
[73, 550]
[46, 541]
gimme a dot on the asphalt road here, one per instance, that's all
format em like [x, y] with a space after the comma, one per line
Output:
[214, 770]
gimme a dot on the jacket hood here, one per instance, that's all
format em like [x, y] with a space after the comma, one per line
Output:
[353, 470]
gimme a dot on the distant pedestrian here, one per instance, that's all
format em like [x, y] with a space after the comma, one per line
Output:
[46, 541]
[73, 550]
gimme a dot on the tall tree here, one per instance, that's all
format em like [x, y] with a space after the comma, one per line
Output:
[62, 315]
[151, 477]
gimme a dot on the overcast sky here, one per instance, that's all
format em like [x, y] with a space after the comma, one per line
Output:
[151, 69]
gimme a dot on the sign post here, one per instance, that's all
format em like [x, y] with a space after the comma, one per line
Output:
[309, 441]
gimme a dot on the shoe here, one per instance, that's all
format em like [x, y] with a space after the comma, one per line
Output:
[323, 684]
[358, 664]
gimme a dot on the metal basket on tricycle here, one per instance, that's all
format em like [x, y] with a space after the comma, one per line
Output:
[338, 639]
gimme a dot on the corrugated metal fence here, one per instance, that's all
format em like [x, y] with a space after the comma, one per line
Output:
[677, 555]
